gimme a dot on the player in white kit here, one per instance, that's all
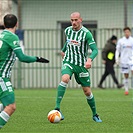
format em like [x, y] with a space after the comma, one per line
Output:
[124, 56]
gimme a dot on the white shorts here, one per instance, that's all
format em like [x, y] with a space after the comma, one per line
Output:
[126, 68]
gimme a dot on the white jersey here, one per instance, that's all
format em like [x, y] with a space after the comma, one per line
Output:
[124, 48]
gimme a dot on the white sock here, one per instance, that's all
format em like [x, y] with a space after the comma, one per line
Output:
[1, 107]
[90, 97]
[126, 84]
[4, 117]
[63, 84]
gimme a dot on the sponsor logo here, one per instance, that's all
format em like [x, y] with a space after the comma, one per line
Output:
[74, 42]
[128, 46]
[83, 74]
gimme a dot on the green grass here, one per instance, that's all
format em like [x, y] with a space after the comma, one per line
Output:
[114, 108]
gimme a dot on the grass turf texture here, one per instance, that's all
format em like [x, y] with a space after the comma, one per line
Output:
[114, 108]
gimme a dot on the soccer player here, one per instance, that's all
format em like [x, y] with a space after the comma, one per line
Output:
[9, 50]
[124, 49]
[76, 61]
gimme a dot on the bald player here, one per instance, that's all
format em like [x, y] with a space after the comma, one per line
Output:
[76, 61]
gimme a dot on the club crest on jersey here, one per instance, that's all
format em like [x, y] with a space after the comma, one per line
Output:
[74, 42]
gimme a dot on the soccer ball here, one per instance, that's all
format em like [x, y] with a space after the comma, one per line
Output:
[54, 116]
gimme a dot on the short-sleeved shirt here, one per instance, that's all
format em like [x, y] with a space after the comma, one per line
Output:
[8, 43]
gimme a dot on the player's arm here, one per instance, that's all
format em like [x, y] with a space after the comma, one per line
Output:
[13, 42]
[65, 45]
[63, 50]
[28, 59]
[94, 53]
[92, 44]
[117, 53]
[94, 49]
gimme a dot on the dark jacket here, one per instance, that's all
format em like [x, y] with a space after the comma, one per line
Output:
[108, 52]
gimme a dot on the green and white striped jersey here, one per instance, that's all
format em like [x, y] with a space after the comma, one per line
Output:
[8, 42]
[77, 45]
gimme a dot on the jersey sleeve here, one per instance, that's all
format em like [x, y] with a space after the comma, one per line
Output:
[92, 44]
[12, 41]
[64, 47]
[94, 49]
[90, 39]
[117, 52]
[24, 58]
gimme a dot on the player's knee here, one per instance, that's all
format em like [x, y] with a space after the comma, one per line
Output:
[65, 78]
[13, 107]
[10, 109]
[87, 92]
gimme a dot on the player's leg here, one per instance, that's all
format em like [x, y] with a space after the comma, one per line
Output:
[67, 73]
[61, 90]
[82, 77]
[91, 101]
[126, 82]
[131, 67]
[7, 98]
[125, 70]
[7, 112]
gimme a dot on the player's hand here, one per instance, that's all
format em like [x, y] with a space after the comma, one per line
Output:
[42, 60]
[88, 64]
[62, 54]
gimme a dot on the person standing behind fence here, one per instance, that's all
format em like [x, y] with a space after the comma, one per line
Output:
[75, 61]
[124, 56]
[9, 50]
[108, 57]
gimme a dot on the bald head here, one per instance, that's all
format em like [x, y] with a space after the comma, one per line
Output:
[76, 14]
[76, 20]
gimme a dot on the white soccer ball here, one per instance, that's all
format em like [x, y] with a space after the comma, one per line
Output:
[54, 116]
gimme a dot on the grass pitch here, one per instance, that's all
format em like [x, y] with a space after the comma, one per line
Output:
[114, 108]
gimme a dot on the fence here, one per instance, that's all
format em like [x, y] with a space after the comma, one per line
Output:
[47, 43]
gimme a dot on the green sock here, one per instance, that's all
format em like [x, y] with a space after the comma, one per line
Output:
[91, 102]
[60, 94]
[4, 117]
